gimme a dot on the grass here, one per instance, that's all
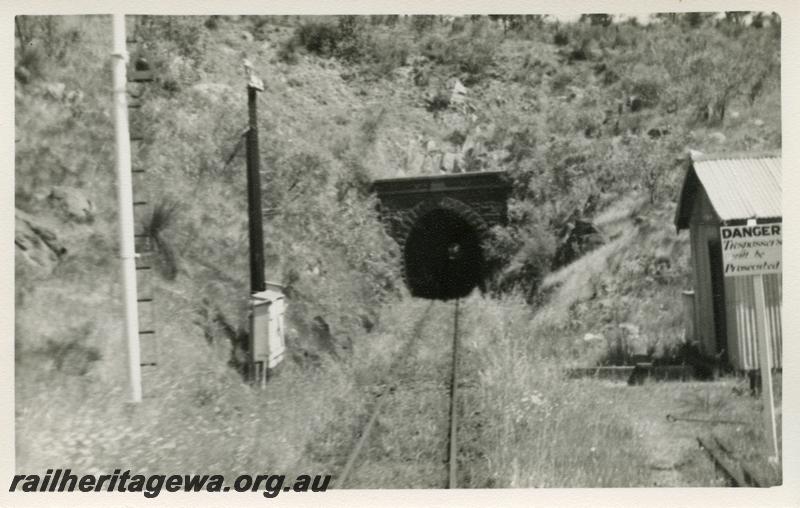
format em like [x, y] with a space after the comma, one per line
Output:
[189, 400]
[296, 425]
[536, 429]
[528, 426]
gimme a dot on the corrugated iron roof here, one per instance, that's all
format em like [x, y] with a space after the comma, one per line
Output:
[739, 187]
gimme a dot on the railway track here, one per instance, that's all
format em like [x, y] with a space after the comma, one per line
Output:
[443, 390]
[732, 470]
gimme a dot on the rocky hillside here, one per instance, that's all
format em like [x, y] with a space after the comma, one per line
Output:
[592, 119]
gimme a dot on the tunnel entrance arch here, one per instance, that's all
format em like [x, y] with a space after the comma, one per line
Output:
[440, 223]
[442, 249]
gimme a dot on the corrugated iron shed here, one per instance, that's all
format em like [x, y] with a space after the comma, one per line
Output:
[739, 187]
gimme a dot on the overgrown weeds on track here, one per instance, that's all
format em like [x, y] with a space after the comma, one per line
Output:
[408, 365]
[535, 429]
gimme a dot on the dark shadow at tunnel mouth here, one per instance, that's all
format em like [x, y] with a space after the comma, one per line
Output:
[443, 258]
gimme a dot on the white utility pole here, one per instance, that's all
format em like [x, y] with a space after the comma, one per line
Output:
[125, 198]
[764, 363]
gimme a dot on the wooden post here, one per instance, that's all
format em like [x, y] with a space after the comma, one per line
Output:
[125, 199]
[764, 356]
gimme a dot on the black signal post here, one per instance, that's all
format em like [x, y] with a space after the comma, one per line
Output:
[255, 224]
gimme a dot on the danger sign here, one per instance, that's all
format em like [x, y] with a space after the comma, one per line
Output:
[751, 250]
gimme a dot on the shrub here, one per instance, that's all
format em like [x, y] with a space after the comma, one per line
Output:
[520, 254]
[260, 27]
[456, 137]
[388, 53]
[439, 102]
[560, 38]
[581, 51]
[30, 64]
[353, 43]
[47, 32]
[184, 36]
[470, 54]
[645, 86]
[458, 25]
[422, 23]
[169, 84]
[320, 38]
[603, 20]
[477, 56]
[434, 47]
[372, 123]
[348, 39]
[155, 227]
[41, 38]
[560, 81]
[70, 353]
[212, 22]
[521, 146]
[287, 51]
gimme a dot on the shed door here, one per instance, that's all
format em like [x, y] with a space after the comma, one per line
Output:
[718, 294]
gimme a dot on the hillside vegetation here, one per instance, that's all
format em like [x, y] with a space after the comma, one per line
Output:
[593, 121]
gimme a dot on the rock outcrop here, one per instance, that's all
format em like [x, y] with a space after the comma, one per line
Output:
[37, 243]
[72, 203]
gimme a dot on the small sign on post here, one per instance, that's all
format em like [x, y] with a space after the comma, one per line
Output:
[755, 250]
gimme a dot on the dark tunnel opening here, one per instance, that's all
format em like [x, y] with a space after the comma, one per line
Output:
[443, 256]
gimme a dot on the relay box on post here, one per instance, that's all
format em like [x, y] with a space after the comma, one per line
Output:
[267, 342]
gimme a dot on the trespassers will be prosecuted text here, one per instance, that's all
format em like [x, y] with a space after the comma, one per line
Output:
[62, 480]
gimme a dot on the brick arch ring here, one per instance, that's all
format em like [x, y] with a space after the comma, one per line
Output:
[464, 211]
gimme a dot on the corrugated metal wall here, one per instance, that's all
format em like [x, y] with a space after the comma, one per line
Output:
[741, 314]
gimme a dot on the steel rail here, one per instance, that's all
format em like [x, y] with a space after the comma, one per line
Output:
[728, 470]
[735, 473]
[381, 399]
[453, 452]
[351, 460]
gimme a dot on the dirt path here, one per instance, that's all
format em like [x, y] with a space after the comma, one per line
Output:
[675, 457]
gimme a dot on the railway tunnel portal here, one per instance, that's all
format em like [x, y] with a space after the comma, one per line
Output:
[440, 223]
